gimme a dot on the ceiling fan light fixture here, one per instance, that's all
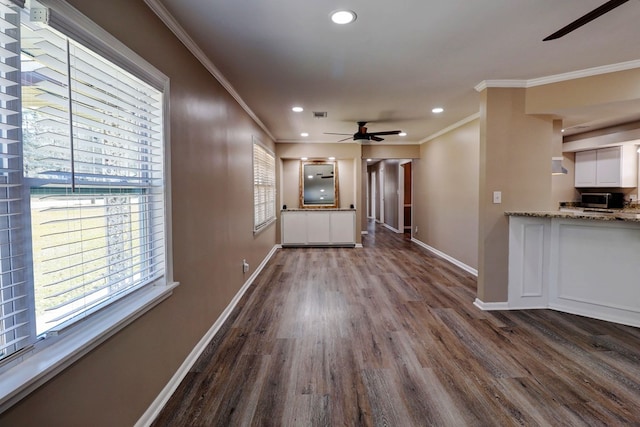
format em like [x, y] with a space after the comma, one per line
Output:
[342, 17]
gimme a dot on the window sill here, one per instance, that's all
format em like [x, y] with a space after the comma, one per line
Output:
[35, 367]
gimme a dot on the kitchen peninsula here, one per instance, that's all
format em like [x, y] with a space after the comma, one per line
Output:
[580, 262]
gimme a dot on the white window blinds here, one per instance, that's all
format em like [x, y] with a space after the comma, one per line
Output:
[264, 186]
[15, 303]
[93, 159]
[15, 310]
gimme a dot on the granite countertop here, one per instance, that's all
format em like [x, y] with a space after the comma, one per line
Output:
[618, 215]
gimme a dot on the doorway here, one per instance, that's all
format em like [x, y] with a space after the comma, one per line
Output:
[405, 208]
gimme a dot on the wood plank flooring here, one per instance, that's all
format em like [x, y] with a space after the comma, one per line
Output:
[387, 336]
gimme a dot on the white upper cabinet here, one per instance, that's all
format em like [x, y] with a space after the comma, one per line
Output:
[607, 167]
[586, 168]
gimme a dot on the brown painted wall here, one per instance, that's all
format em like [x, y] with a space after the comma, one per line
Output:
[445, 203]
[211, 155]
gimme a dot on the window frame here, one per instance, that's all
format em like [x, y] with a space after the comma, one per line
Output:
[259, 226]
[27, 369]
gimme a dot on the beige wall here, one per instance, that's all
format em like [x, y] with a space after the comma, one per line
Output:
[588, 92]
[211, 156]
[515, 158]
[390, 186]
[445, 202]
[381, 151]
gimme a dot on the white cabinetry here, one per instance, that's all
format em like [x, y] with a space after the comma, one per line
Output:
[582, 266]
[529, 262]
[607, 167]
[318, 228]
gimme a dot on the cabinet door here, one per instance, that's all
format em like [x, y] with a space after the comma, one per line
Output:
[294, 228]
[608, 172]
[586, 168]
[342, 227]
[318, 228]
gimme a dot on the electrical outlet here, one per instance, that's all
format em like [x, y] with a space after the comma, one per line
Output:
[245, 266]
[416, 232]
[497, 197]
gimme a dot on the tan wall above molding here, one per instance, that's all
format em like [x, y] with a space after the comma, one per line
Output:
[602, 89]
[390, 151]
[346, 150]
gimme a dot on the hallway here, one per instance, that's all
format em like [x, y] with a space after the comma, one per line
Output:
[388, 335]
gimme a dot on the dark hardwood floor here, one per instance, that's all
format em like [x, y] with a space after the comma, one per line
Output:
[388, 335]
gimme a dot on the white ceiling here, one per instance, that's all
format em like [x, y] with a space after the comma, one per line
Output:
[400, 59]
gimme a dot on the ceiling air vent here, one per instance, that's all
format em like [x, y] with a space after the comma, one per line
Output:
[319, 114]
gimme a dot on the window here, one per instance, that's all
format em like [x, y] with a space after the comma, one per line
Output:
[264, 186]
[82, 182]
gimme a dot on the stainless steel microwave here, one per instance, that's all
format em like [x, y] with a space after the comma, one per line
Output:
[602, 200]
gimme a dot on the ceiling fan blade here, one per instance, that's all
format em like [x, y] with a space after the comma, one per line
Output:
[388, 132]
[595, 13]
[375, 138]
[333, 133]
[346, 139]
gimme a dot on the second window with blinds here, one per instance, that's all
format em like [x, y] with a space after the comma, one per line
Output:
[264, 186]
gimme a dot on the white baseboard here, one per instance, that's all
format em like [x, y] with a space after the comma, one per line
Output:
[395, 230]
[491, 306]
[451, 259]
[364, 232]
[156, 406]
[359, 246]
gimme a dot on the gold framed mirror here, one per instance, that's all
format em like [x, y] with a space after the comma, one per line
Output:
[319, 184]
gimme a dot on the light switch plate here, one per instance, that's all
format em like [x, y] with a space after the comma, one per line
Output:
[497, 197]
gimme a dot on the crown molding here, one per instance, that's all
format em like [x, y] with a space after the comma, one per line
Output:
[451, 128]
[500, 83]
[556, 78]
[167, 18]
[589, 72]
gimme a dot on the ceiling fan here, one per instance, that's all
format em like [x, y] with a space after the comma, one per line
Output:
[595, 13]
[363, 135]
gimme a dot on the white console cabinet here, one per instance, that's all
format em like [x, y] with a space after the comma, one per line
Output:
[320, 227]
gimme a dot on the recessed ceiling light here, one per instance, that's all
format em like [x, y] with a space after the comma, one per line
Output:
[297, 109]
[332, 158]
[304, 158]
[343, 16]
[437, 110]
[402, 134]
[310, 176]
[304, 134]
[368, 160]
